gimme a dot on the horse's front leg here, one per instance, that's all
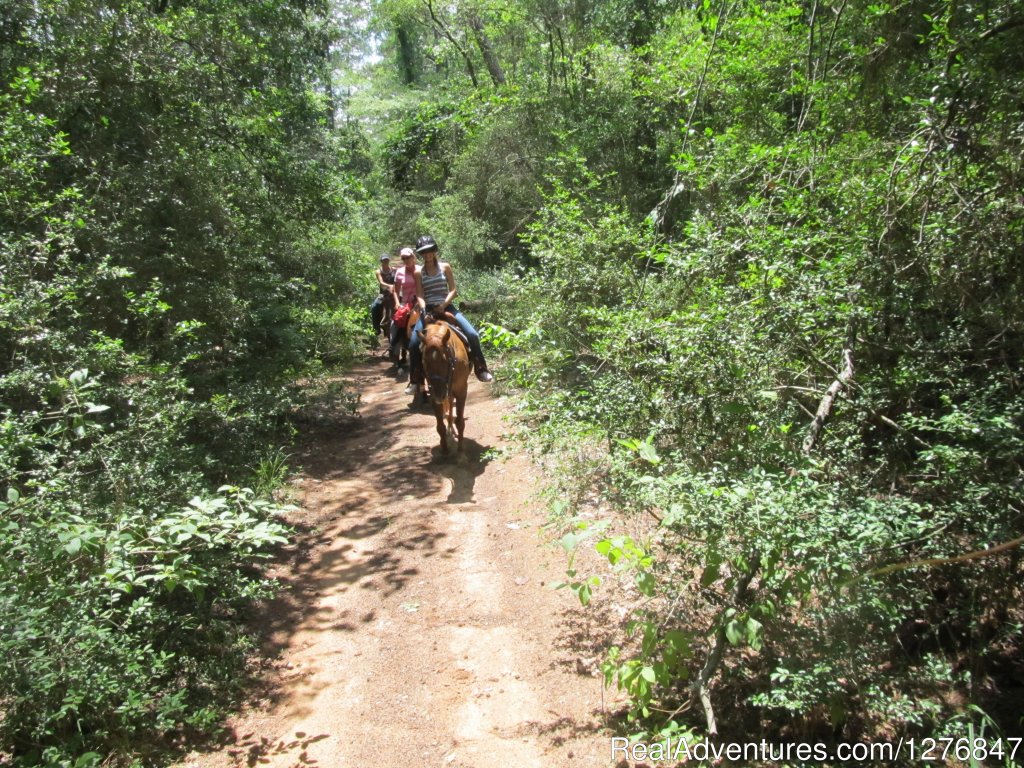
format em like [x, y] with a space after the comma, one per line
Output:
[450, 411]
[439, 414]
[460, 417]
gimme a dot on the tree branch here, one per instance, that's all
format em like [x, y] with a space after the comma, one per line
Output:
[441, 27]
[661, 209]
[825, 406]
[700, 685]
[933, 562]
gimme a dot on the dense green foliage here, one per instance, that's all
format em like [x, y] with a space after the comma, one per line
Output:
[169, 264]
[772, 259]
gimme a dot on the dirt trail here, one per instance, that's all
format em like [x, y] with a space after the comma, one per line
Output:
[416, 628]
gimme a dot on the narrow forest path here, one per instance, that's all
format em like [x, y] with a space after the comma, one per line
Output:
[416, 627]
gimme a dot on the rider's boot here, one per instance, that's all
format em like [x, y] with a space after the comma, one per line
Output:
[482, 374]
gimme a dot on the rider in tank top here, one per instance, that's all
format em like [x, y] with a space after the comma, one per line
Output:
[436, 288]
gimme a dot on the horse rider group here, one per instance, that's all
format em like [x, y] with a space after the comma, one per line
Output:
[428, 288]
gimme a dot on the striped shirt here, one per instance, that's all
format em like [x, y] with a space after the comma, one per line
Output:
[435, 287]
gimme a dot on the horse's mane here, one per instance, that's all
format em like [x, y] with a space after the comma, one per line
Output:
[440, 338]
[435, 334]
[443, 352]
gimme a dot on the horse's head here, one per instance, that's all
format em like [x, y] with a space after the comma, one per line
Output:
[438, 360]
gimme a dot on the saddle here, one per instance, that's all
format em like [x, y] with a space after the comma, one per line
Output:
[449, 319]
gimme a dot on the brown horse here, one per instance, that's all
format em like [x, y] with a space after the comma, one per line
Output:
[446, 365]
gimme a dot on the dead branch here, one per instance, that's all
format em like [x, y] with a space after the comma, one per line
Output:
[841, 382]
[933, 562]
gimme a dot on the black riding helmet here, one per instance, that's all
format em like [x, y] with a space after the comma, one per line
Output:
[425, 243]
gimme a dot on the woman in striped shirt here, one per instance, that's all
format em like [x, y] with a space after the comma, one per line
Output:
[435, 290]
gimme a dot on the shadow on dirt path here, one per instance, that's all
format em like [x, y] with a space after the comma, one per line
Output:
[416, 626]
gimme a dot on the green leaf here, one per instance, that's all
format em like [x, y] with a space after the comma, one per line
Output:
[583, 593]
[755, 633]
[88, 760]
[711, 571]
[734, 632]
[570, 541]
[648, 453]
[646, 583]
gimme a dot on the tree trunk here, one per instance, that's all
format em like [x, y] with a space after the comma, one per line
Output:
[702, 685]
[406, 55]
[486, 48]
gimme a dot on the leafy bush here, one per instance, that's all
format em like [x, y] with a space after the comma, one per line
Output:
[109, 622]
[161, 241]
[811, 377]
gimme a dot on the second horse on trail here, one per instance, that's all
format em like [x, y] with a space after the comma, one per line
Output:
[446, 365]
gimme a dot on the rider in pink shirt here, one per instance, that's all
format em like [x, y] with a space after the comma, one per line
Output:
[405, 290]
